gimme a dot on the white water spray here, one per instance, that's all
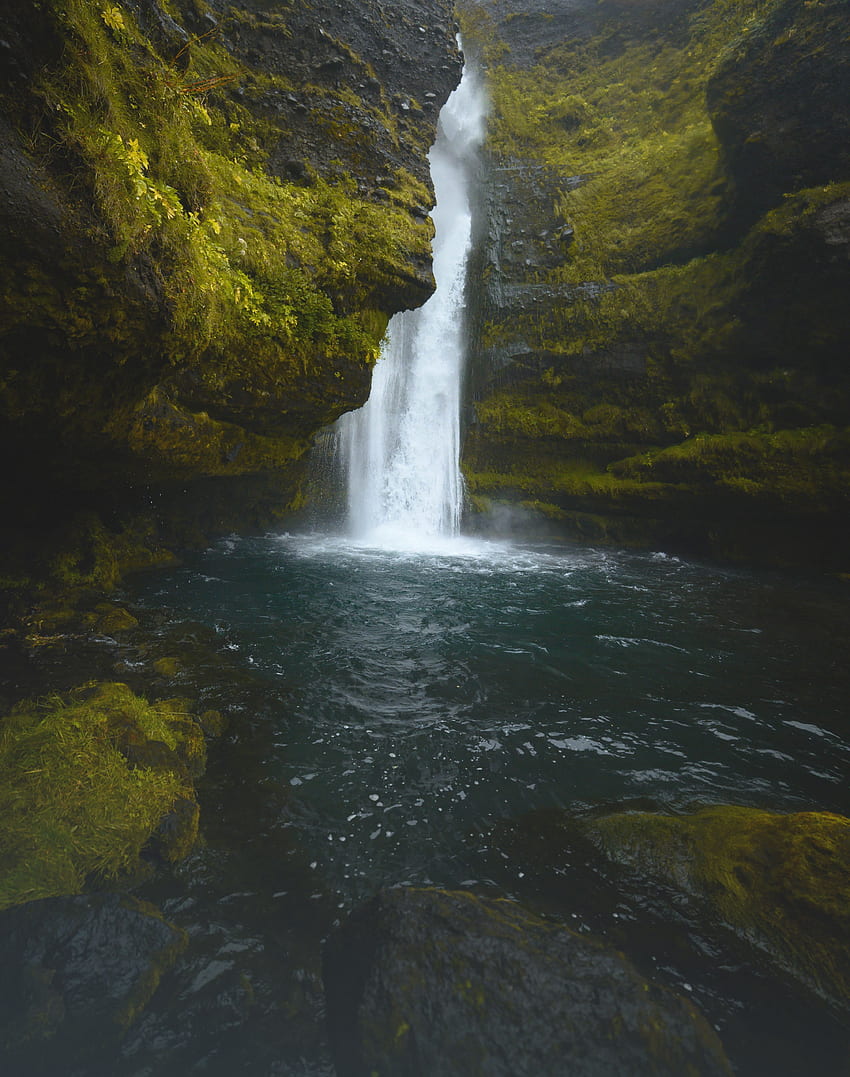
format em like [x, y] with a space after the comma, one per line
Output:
[401, 449]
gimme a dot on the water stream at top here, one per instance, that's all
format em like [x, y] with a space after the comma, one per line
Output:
[401, 449]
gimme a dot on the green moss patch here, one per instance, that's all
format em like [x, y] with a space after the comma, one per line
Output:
[670, 359]
[176, 165]
[778, 468]
[85, 781]
[780, 881]
[629, 116]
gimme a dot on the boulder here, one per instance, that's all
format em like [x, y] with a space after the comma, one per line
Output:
[76, 971]
[781, 882]
[433, 983]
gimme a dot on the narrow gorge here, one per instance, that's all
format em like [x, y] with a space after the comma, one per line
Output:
[423, 600]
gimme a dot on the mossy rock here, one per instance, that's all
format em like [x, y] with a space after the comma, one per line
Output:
[207, 222]
[662, 274]
[85, 782]
[778, 99]
[76, 972]
[167, 666]
[782, 882]
[111, 620]
[423, 981]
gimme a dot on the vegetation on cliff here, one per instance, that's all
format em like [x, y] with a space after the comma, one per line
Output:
[209, 212]
[192, 282]
[656, 290]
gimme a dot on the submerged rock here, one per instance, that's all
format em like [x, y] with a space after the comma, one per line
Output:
[432, 982]
[77, 969]
[782, 882]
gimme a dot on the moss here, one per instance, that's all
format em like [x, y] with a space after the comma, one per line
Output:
[76, 801]
[176, 165]
[631, 373]
[113, 619]
[178, 441]
[93, 555]
[183, 311]
[803, 469]
[630, 306]
[632, 122]
[780, 881]
[167, 667]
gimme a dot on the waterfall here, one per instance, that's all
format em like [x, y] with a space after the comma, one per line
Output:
[401, 448]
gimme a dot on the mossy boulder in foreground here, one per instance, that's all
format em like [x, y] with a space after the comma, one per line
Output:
[428, 982]
[782, 882]
[87, 782]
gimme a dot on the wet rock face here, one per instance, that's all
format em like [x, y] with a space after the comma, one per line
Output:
[781, 882]
[662, 241]
[218, 206]
[779, 103]
[403, 54]
[422, 983]
[77, 970]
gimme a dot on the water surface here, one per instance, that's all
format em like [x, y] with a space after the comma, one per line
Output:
[413, 702]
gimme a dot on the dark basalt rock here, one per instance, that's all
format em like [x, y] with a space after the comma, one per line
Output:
[779, 102]
[170, 38]
[432, 983]
[101, 313]
[329, 46]
[624, 313]
[76, 970]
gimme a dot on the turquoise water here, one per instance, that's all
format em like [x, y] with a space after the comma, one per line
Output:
[403, 710]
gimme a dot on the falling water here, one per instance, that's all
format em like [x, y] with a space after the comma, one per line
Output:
[401, 449]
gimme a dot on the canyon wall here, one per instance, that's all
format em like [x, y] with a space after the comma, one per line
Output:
[661, 339]
[208, 213]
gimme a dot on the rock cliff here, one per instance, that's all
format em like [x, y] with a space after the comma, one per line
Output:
[208, 212]
[661, 341]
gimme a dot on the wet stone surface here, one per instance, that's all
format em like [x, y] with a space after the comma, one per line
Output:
[427, 982]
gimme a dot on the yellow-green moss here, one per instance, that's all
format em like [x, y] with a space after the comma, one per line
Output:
[176, 167]
[805, 468]
[669, 350]
[92, 555]
[781, 881]
[110, 619]
[73, 804]
[717, 408]
[172, 437]
[632, 122]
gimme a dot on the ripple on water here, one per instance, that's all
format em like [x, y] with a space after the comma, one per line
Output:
[477, 680]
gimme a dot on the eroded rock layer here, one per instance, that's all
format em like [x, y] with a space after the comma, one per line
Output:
[208, 212]
[661, 341]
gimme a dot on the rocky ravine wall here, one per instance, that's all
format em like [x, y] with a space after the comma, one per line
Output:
[661, 343]
[208, 212]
